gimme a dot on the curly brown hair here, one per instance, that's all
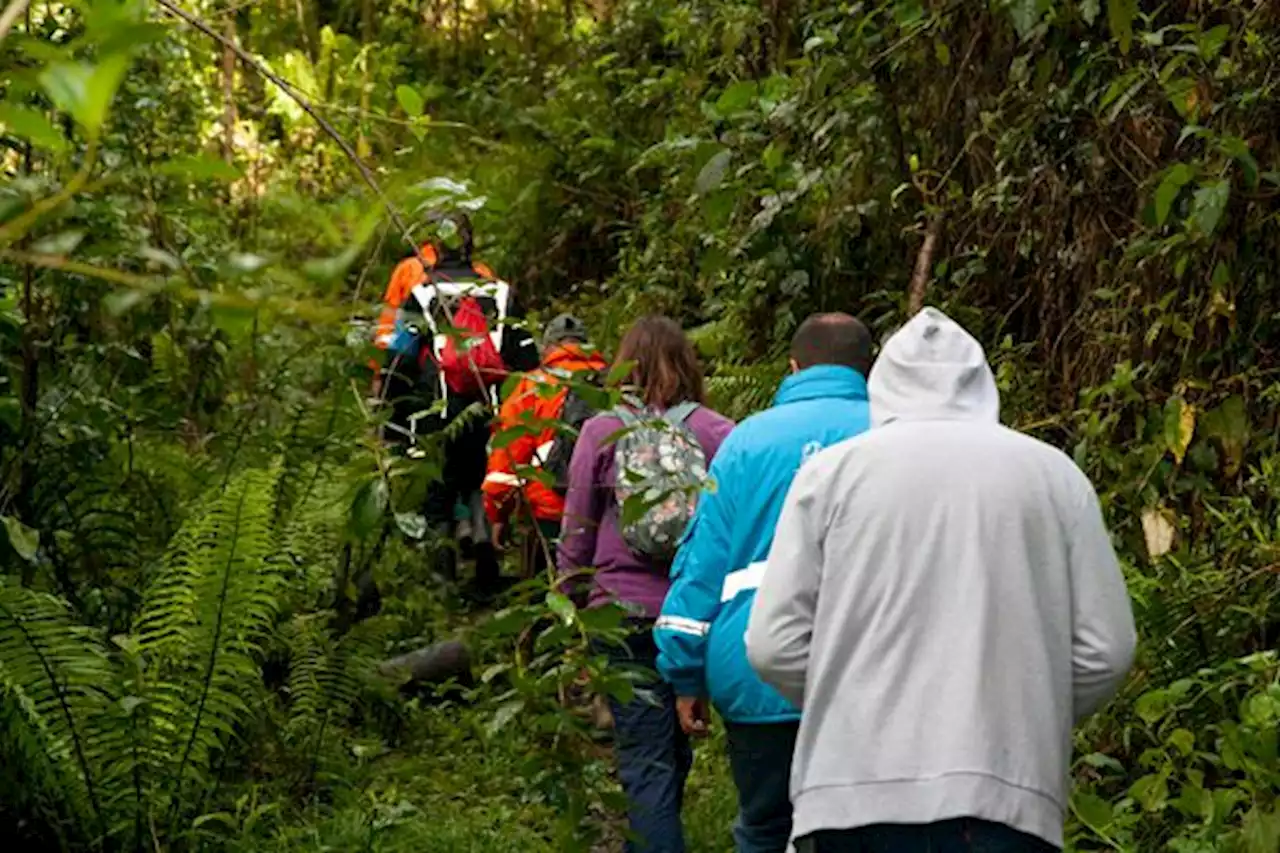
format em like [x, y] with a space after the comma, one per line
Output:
[666, 369]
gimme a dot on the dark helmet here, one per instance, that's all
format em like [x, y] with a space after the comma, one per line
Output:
[450, 232]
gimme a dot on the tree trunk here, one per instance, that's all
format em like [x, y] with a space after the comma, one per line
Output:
[431, 664]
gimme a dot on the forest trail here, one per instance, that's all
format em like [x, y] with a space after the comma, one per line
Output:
[190, 484]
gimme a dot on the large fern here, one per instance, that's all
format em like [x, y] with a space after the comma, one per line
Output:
[203, 624]
[56, 679]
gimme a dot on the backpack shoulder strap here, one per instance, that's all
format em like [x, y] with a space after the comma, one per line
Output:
[626, 415]
[679, 413]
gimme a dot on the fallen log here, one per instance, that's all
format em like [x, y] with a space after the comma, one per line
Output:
[433, 664]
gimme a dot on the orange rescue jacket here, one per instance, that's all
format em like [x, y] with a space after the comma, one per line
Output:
[527, 406]
[407, 275]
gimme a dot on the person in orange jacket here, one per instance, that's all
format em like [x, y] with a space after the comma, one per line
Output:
[565, 354]
[410, 382]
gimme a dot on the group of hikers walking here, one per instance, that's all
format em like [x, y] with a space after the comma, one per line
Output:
[898, 607]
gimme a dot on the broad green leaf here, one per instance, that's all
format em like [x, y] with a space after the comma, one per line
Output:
[736, 97]
[368, 507]
[1101, 761]
[1178, 176]
[24, 540]
[31, 125]
[1228, 424]
[1210, 43]
[504, 716]
[559, 604]
[409, 100]
[1093, 811]
[1261, 830]
[1179, 426]
[1152, 705]
[1208, 205]
[1089, 10]
[1120, 15]
[772, 157]
[85, 91]
[1184, 97]
[329, 269]
[620, 372]
[713, 172]
[1238, 150]
[1151, 791]
[1027, 14]
[201, 167]
[411, 524]
[1183, 741]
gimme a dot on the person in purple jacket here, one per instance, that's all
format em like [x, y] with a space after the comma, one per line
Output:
[653, 753]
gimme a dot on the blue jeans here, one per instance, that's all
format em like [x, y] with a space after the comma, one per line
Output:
[653, 753]
[760, 757]
[965, 835]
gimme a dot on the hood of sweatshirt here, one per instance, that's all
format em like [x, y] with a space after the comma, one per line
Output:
[932, 369]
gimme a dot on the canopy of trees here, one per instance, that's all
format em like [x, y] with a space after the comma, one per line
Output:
[202, 201]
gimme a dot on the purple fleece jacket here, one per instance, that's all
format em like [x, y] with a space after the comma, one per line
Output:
[590, 536]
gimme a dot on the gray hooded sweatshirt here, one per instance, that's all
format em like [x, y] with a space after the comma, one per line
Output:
[942, 601]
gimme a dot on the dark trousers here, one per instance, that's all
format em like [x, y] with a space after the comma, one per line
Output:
[653, 753]
[760, 758]
[965, 835]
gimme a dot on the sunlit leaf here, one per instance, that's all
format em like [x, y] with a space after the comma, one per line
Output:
[409, 100]
[559, 604]
[736, 97]
[201, 167]
[1093, 811]
[504, 716]
[31, 125]
[1158, 531]
[83, 90]
[59, 244]
[24, 540]
[1179, 426]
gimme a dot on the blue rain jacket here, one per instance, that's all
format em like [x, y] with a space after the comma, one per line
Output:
[702, 629]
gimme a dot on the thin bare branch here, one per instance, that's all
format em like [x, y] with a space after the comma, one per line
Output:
[11, 14]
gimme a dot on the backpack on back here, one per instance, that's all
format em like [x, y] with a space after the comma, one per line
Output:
[659, 462]
[573, 414]
[468, 358]
[469, 361]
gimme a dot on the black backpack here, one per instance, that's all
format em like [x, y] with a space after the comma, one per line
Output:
[573, 415]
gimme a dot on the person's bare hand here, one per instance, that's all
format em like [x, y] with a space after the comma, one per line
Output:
[693, 715]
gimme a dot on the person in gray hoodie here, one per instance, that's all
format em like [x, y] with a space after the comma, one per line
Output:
[943, 602]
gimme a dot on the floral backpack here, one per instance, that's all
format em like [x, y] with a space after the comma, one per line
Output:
[659, 469]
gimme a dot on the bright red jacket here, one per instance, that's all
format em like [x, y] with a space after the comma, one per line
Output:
[529, 407]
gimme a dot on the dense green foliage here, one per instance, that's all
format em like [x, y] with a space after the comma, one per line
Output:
[190, 488]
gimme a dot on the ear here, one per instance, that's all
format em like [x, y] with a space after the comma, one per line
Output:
[795, 368]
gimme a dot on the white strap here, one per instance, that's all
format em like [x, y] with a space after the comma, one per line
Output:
[683, 625]
[742, 580]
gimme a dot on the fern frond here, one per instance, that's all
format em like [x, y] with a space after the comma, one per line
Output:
[740, 390]
[56, 674]
[204, 624]
[326, 674]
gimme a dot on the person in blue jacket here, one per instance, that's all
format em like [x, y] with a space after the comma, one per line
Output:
[701, 631]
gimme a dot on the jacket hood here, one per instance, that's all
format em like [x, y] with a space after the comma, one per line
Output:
[932, 369]
[562, 355]
[822, 380]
